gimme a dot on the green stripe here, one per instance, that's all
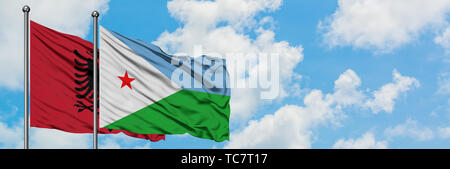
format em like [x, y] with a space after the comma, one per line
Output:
[200, 114]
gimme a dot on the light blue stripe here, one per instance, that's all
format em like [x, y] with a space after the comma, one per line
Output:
[162, 61]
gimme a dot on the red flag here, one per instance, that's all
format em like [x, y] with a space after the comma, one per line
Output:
[61, 83]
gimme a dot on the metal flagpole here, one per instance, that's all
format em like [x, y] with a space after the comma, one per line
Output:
[95, 15]
[26, 11]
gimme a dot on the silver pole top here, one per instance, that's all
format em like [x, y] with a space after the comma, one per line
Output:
[95, 14]
[26, 8]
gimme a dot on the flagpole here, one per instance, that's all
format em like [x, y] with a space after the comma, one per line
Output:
[26, 11]
[95, 15]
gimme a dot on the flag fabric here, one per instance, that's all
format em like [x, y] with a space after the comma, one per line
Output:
[145, 90]
[61, 83]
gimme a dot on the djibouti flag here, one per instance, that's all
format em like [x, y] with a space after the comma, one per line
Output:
[144, 90]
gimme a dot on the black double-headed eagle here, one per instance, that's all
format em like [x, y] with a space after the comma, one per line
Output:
[84, 77]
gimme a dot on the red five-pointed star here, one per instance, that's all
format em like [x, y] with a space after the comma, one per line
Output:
[126, 80]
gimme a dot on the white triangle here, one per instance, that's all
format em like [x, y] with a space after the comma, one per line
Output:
[149, 86]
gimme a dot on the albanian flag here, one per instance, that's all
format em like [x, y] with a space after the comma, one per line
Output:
[61, 83]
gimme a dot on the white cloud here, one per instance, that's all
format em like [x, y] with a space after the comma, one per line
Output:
[11, 136]
[56, 139]
[384, 98]
[345, 89]
[410, 129]
[444, 132]
[120, 140]
[382, 25]
[109, 144]
[206, 14]
[291, 126]
[71, 16]
[286, 128]
[366, 141]
[444, 39]
[444, 83]
[223, 27]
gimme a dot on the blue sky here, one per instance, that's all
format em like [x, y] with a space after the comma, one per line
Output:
[330, 43]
